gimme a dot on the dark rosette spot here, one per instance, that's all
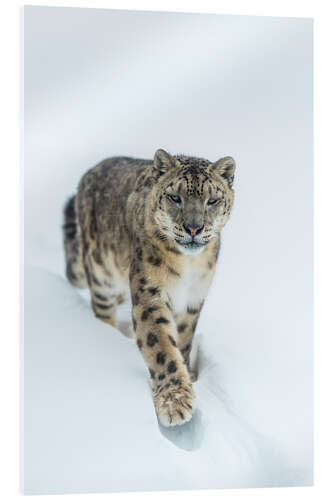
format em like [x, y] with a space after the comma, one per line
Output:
[144, 315]
[160, 358]
[181, 327]
[172, 367]
[161, 319]
[155, 261]
[152, 339]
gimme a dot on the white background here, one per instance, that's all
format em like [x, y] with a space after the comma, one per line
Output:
[317, 489]
[105, 82]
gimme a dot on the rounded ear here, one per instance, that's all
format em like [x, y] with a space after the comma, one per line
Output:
[225, 167]
[163, 161]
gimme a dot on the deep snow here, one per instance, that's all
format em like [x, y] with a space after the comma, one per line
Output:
[99, 83]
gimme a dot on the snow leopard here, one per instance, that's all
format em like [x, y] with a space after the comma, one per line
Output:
[148, 231]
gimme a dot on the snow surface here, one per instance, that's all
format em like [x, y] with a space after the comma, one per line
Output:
[100, 83]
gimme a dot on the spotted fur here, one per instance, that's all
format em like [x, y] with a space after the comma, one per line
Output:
[149, 230]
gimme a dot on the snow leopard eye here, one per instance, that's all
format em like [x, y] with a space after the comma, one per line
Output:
[175, 198]
[212, 201]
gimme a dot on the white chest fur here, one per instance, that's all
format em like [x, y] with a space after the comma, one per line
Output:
[191, 288]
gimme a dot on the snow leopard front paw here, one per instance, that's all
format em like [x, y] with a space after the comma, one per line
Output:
[174, 402]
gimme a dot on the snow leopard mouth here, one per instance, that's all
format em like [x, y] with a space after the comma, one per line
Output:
[191, 246]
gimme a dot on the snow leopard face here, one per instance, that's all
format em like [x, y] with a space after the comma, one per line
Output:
[194, 199]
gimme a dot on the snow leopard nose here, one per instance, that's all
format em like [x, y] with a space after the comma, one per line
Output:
[193, 229]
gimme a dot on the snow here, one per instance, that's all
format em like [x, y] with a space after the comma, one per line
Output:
[129, 88]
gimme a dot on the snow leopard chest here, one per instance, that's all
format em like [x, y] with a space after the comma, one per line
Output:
[189, 289]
